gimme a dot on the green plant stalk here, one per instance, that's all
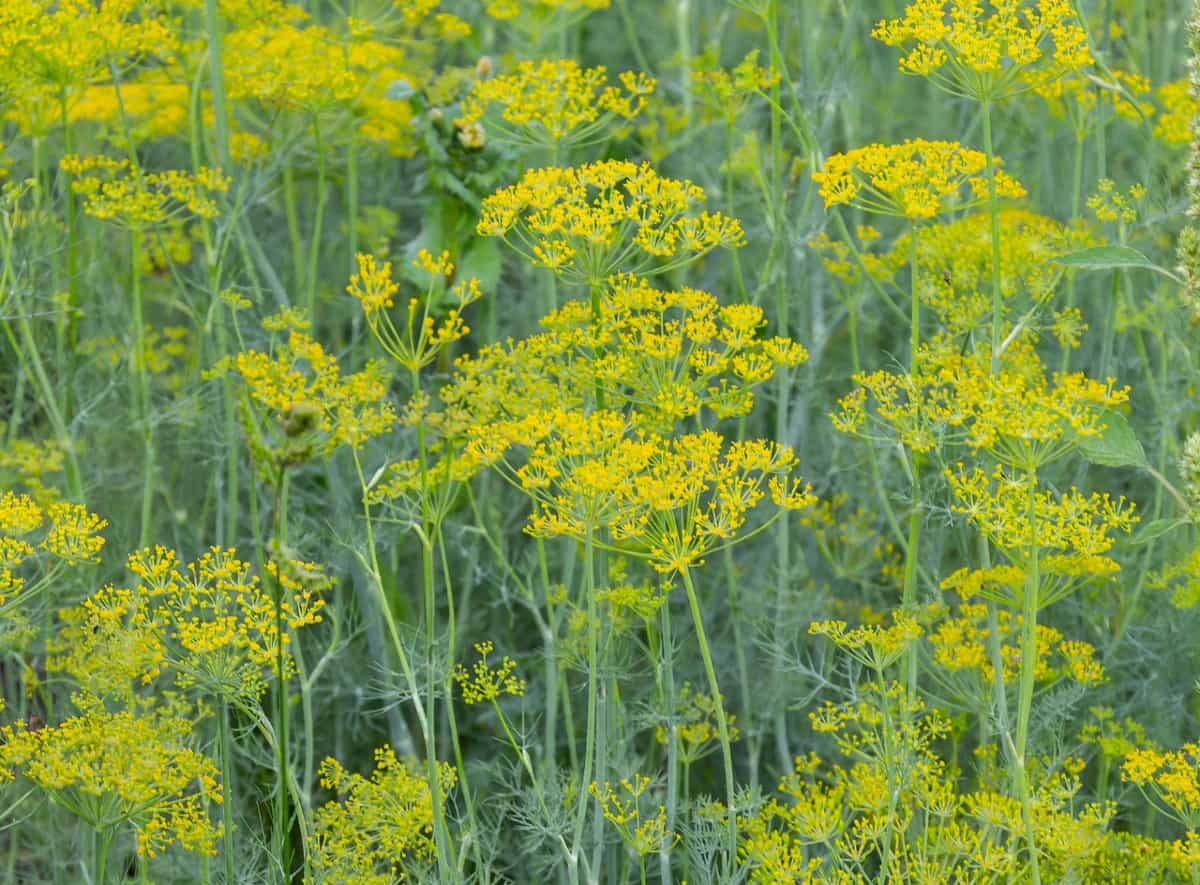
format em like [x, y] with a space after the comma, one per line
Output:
[41, 378]
[281, 824]
[549, 632]
[141, 391]
[293, 225]
[908, 602]
[225, 751]
[1076, 200]
[427, 540]
[589, 751]
[1029, 658]
[667, 669]
[715, 688]
[384, 604]
[683, 39]
[994, 215]
[783, 294]
[72, 260]
[314, 249]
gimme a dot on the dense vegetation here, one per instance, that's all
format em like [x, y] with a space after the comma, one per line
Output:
[586, 441]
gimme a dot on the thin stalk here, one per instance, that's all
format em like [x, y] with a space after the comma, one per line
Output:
[994, 213]
[1029, 659]
[668, 689]
[141, 379]
[715, 689]
[586, 775]
[908, 600]
[314, 249]
[225, 752]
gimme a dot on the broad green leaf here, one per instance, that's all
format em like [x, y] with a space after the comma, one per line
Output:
[1111, 258]
[1152, 531]
[1116, 446]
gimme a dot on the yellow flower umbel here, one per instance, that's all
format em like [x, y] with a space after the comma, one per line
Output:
[875, 647]
[484, 683]
[1017, 414]
[987, 49]
[554, 103]
[379, 830]
[139, 199]
[1179, 109]
[916, 180]
[661, 357]
[422, 337]
[210, 626]
[1169, 780]
[696, 724]
[955, 261]
[38, 543]
[113, 770]
[644, 834]
[1062, 538]
[588, 222]
[668, 501]
[959, 646]
[51, 50]
[300, 405]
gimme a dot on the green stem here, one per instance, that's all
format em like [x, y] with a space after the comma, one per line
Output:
[141, 379]
[994, 214]
[314, 249]
[1029, 659]
[225, 751]
[723, 726]
[586, 775]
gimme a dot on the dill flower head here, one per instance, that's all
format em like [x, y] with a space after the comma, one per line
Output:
[960, 645]
[622, 807]
[1016, 413]
[917, 180]
[697, 721]
[588, 222]
[726, 94]
[123, 768]
[1171, 777]
[1173, 126]
[209, 625]
[303, 406]
[554, 102]
[1070, 533]
[424, 335]
[669, 501]
[661, 357]
[876, 647]
[39, 540]
[52, 49]
[138, 199]
[485, 682]
[955, 259]
[987, 49]
[380, 828]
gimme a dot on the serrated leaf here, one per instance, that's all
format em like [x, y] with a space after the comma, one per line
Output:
[1116, 446]
[1111, 258]
[1152, 531]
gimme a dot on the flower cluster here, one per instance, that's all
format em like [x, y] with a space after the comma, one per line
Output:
[588, 222]
[554, 102]
[917, 180]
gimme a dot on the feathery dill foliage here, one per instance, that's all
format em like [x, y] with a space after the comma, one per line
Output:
[581, 441]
